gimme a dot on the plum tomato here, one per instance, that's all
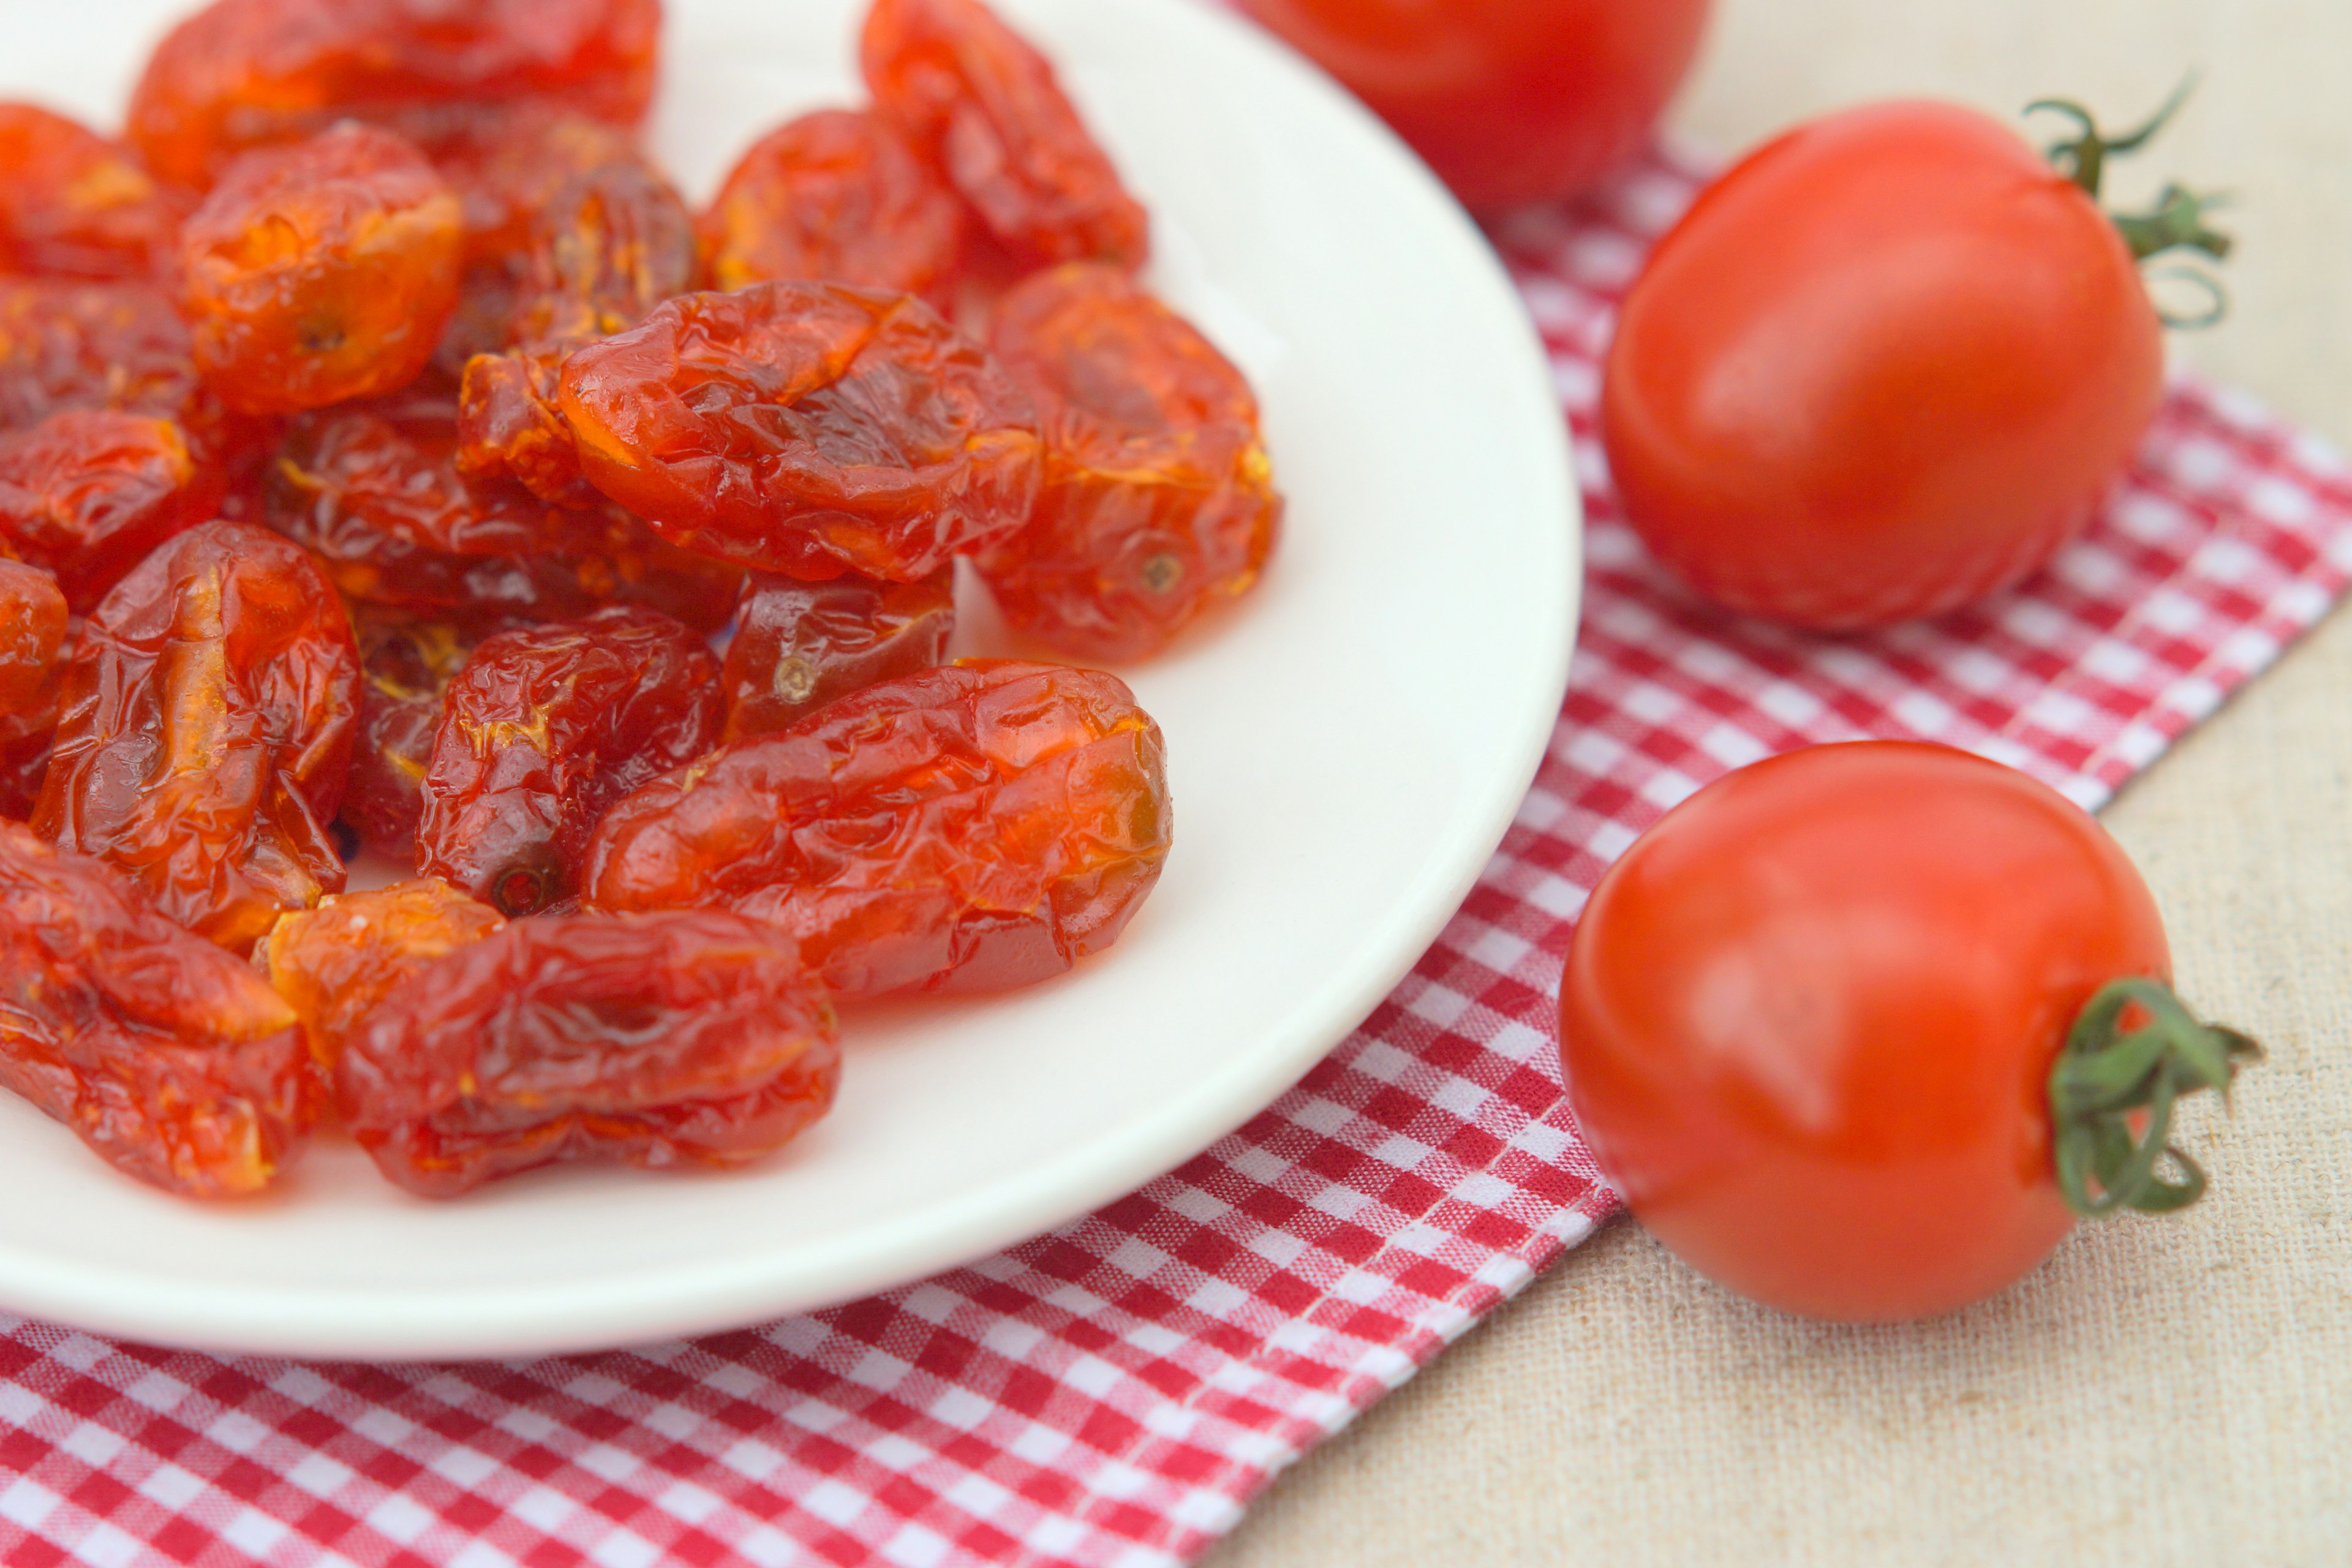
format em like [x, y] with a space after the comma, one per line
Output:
[1885, 366]
[1843, 1029]
[1510, 100]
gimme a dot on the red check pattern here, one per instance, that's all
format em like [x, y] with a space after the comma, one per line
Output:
[1111, 1394]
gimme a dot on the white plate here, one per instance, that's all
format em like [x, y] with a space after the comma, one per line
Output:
[1344, 754]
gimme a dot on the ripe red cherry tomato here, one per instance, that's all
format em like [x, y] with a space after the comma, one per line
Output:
[1810, 1021]
[1884, 366]
[1510, 100]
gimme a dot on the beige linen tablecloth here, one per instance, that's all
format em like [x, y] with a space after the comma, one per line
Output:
[2160, 1392]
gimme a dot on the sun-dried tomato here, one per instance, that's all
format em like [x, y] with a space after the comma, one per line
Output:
[807, 428]
[173, 1060]
[248, 73]
[320, 272]
[405, 666]
[29, 723]
[975, 827]
[687, 1039]
[837, 196]
[608, 246]
[373, 490]
[985, 107]
[799, 645]
[1159, 502]
[544, 728]
[32, 627]
[66, 344]
[75, 205]
[511, 426]
[206, 732]
[88, 493]
[335, 963]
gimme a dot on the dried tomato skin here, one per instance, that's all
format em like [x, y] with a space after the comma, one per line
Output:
[28, 729]
[32, 628]
[612, 243]
[374, 490]
[320, 272]
[88, 493]
[977, 827]
[683, 1039]
[333, 963]
[986, 108]
[511, 426]
[171, 1059]
[838, 196]
[66, 344]
[205, 731]
[242, 74]
[543, 729]
[807, 428]
[799, 645]
[1160, 503]
[405, 667]
[75, 205]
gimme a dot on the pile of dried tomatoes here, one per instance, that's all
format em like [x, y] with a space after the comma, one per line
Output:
[383, 440]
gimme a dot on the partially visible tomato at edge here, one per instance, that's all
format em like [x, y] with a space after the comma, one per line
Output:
[1510, 100]
[1886, 365]
[1809, 1020]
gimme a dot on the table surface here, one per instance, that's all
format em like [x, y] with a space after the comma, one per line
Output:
[2158, 1393]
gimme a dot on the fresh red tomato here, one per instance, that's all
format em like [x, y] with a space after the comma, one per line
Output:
[1510, 100]
[1884, 366]
[1810, 1018]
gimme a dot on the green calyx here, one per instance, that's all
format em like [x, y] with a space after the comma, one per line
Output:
[2105, 1073]
[2178, 219]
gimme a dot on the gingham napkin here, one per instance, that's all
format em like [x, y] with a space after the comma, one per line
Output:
[1113, 1393]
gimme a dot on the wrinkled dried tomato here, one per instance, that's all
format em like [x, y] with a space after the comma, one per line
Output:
[320, 272]
[28, 725]
[248, 73]
[543, 729]
[87, 492]
[1159, 502]
[985, 107]
[32, 627]
[374, 490]
[75, 205]
[405, 667]
[837, 196]
[609, 244]
[799, 645]
[975, 827]
[174, 1061]
[104, 345]
[205, 731]
[511, 426]
[806, 428]
[687, 1039]
[336, 962]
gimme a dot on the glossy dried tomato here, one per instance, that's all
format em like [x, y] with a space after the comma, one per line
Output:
[320, 272]
[985, 107]
[543, 729]
[88, 493]
[75, 205]
[335, 963]
[838, 196]
[246, 73]
[975, 827]
[374, 490]
[104, 345]
[28, 726]
[799, 645]
[173, 1060]
[32, 627]
[206, 732]
[608, 246]
[1159, 502]
[807, 428]
[405, 667]
[511, 426]
[671, 1041]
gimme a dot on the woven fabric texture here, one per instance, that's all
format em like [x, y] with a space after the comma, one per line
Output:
[1113, 1393]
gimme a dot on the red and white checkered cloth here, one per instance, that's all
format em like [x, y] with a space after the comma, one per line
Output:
[1113, 1393]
